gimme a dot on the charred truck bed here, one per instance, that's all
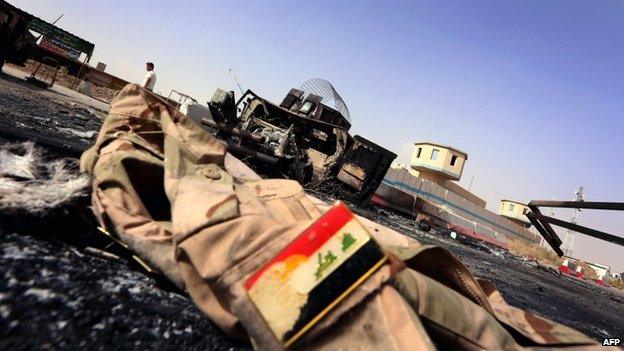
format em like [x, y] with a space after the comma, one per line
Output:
[303, 137]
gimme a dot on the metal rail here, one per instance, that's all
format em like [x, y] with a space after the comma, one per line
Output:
[616, 206]
[543, 223]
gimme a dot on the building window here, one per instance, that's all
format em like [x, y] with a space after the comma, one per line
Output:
[453, 160]
[511, 207]
[306, 107]
[434, 154]
[418, 151]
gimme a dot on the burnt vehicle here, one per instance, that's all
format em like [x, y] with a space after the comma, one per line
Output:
[306, 137]
[16, 41]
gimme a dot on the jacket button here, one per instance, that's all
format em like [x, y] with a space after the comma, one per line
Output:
[212, 173]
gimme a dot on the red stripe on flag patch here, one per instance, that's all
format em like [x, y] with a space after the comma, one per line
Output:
[311, 239]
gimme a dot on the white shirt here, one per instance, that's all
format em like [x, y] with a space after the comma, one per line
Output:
[151, 77]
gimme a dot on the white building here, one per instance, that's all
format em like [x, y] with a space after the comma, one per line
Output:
[602, 271]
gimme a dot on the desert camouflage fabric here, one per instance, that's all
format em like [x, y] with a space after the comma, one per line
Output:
[170, 191]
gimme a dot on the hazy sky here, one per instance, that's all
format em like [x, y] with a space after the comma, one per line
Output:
[533, 91]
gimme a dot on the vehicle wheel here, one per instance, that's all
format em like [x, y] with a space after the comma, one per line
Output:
[424, 225]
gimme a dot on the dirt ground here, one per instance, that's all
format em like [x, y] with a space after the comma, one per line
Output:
[59, 118]
[79, 299]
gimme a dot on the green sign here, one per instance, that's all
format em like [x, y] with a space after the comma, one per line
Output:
[60, 37]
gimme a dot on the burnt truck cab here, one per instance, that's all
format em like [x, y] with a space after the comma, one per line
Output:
[15, 39]
[303, 137]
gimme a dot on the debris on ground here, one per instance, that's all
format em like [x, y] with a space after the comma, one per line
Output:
[55, 297]
[29, 183]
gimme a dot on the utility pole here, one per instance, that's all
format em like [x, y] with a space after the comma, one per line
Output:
[568, 242]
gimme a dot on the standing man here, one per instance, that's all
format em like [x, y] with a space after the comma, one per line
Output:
[150, 77]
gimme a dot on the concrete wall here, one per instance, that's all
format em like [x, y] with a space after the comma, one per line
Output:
[459, 211]
[456, 188]
[104, 79]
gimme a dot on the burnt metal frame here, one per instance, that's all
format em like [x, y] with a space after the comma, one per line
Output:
[543, 223]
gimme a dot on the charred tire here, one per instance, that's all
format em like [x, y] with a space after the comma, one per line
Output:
[424, 225]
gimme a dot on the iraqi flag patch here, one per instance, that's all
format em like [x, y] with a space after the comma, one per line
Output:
[313, 273]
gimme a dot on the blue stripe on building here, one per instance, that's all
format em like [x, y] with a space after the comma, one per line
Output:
[445, 202]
